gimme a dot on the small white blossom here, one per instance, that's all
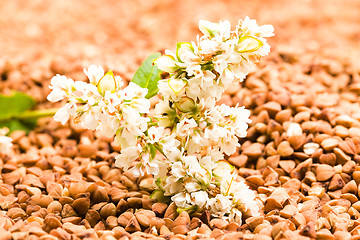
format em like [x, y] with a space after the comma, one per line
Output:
[133, 91]
[185, 127]
[61, 86]
[181, 199]
[64, 113]
[192, 186]
[200, 198]
[244, 197]
[235, 216]
[145, 166]
[127, 156]
[155, 134]
[220, 205]
[173, 186]
[177, 170]
[94, 73]
[165, 114]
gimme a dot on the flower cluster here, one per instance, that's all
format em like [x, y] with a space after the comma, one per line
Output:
[5, 142]
[203, 70]
[103, 105]
[184, 144]
[202, 133]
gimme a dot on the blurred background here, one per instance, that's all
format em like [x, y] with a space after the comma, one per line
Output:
[40, 37]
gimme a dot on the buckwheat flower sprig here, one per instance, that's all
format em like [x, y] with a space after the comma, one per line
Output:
[184, 144]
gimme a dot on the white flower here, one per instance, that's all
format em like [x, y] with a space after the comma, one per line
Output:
[108, 125]
[186, 53]
[155, 134]
[235, 216]
[133, 91]
[208, 163]
[192, 186]
[94, 73]
[5, 144]
[216, 155]
[222, 173]
[133, 119]
[185, 127]
[177, 170]
[63, 114]
[244, 197]
[211, 29]
[145, 167]
[85, 92]
[192, 165]
[191, 132]
[219, 205]
[142, 105]
[61, 86]
[170, 145]
[208, 28]
[177, 85]
[250, 27]
[110, 103]
[89, 119]
[127, 156]
[165, 114]
[163, 170]
[125, 138]
[208, 47]
[181, 199]
[228, 145]
[195, 143]
[172, 186]
[200, 198]
[107, 84]
[186, 105]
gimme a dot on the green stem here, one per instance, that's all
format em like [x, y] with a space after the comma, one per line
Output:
[158, 147]
[31, 114]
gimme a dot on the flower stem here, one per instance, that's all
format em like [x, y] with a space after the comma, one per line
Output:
[31, 114]
[158, 147]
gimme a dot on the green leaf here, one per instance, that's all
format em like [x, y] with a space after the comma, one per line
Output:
[148, 75]
[13, 105]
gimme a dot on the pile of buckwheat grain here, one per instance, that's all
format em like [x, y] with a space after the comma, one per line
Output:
[301, 155]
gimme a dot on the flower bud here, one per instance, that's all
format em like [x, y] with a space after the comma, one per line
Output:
[185, 51]
[166, 63]
[222, 170]
[208, 28]
[107, 83]
[186, 105]
[177, 84]
[248, 44]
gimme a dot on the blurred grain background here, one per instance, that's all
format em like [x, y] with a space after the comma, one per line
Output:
[121, 33]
